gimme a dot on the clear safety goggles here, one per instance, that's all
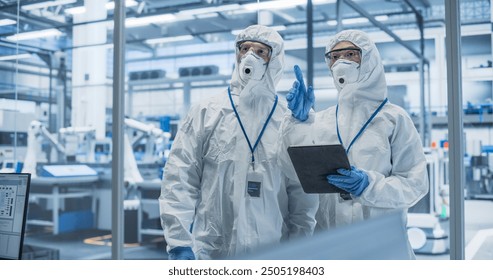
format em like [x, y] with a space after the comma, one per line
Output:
[353, 54]
[258, 48]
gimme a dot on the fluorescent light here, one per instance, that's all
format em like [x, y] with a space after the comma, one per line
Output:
[15, 56]
[354, 20]
[109, 6]
[279, 27]
[276, 28]
[6, 21]
[34, 34]
[76, 10]
[273, 4]
[47, 4]
[382, 18]
[208, 10]
[168, 39]
[208, 15]
[128, 3]
[142, 21]
[318, 2]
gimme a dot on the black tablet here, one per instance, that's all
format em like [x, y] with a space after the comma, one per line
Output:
[314, 163]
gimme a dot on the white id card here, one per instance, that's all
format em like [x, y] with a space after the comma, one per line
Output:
[254, 184]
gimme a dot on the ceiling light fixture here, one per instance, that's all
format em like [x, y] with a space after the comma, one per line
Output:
[279, 27]
[276, 28]
[224, 8]
[382, 18]
[143, 21]
[15, 56]
[7, 21]
[46, 4]
[169, 39]
[319, 2]
[128, 3]
[52, 32]
[208, 15]
[278, 4]
[76, 10]
[357, 20]
[109, 6]
[354, 20]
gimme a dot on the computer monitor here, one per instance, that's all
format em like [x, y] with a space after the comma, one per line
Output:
[14, 193]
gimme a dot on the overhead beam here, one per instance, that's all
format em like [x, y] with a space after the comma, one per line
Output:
[384, 28]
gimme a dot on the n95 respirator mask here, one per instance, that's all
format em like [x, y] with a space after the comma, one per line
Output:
[252, 67]
[345, 72]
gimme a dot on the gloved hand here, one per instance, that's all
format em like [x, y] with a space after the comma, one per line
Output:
[300, 99]
[353, 181]
[181, 253]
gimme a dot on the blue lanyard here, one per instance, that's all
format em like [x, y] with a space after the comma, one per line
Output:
[252, 149]
[362, 129]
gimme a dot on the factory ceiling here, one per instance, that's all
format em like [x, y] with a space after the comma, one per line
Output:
[151, 22]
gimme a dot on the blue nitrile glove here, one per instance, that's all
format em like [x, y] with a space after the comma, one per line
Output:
[181, 253]
[353, 181]
[300, 99]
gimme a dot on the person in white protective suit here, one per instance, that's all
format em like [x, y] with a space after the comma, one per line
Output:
[223, 193]
[388, 166]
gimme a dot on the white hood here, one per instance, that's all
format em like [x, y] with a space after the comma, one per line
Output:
[358, 101]
[254, 100]
[267, 85]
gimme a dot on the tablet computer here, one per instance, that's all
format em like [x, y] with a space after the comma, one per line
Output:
[314, 163]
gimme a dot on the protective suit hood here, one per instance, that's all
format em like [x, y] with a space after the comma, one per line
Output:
[359, 100]
[371, 84]
[265, 87]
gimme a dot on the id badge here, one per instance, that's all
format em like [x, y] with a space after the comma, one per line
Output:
[254, 184]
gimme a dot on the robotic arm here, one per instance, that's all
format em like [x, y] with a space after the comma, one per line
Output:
[154, 137]
[35, 133]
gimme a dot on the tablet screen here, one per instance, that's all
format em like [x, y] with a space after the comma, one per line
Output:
[314, 163]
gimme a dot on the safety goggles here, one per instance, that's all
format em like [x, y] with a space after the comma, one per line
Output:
[258, 48]
[353, 54]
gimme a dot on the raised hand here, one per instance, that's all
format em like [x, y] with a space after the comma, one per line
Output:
[300, 99]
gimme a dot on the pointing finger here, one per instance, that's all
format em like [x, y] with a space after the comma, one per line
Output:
[299, 76]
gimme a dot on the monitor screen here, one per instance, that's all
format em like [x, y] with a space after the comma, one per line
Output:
[14, 192]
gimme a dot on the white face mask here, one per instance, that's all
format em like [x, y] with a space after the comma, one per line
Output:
[252, 67]
[345, 72]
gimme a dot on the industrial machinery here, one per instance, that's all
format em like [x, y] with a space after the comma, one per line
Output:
[479, 177]
[425, 231]
[149, 142]
[13, 139]
[72, 147]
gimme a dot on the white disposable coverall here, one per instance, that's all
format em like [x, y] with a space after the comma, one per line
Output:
[389, 149]
[204, 203]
